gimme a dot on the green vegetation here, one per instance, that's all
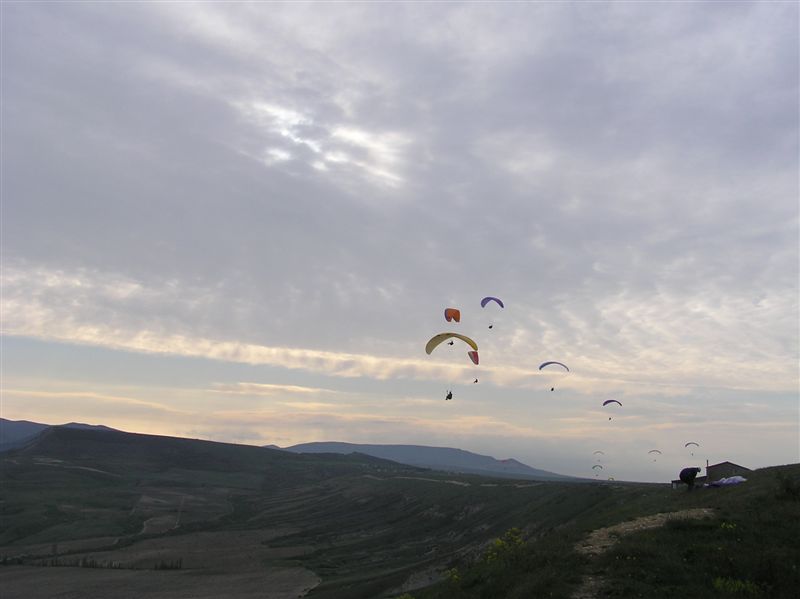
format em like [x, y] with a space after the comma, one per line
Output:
[370, 528]
[747, 549]
[750, 549]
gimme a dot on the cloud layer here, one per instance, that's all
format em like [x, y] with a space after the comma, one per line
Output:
[304, 189]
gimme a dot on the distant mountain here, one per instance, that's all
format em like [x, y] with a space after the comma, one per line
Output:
[16, 433]
[436, 458]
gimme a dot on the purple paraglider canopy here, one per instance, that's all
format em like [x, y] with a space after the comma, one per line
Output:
[486, 300]
[551, 362]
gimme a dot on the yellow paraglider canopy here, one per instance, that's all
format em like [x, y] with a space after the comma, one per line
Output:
[437, 339]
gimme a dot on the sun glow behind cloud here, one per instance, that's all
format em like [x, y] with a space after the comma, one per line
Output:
[379, 155]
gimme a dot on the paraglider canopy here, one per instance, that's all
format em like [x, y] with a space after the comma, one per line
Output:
[437, 339]
[564, 366]
[596, 466]
[598, 452]
[452, 314]
[654, 451]
[488, 299]
[434, 342]
[692, 443]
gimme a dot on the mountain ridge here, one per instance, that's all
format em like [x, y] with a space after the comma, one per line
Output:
[449, 459]
[18, 433]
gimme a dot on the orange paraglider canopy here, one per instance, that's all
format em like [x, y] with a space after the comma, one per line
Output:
[452, 314]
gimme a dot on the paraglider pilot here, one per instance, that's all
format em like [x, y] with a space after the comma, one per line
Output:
[448, 396]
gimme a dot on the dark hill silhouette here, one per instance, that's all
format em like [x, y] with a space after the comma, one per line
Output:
[16, 433]
[120, 451]
[437, 458]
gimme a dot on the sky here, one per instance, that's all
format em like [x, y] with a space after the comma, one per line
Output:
[243, 221]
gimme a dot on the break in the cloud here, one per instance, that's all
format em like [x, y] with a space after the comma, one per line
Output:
[304, 187]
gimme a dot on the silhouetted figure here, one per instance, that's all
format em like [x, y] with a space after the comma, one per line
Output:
[448, 396]
[491, 325]
[688, 475]
[450, 343]
[552, 388]
[475, 381]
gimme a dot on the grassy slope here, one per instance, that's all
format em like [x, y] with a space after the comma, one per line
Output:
[749, 549]
[368, 524]
[365, 525]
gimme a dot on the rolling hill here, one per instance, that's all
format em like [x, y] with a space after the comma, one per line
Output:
[15, 433]
[96, 513]
[437, 458]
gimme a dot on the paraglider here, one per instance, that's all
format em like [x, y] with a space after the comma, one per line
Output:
[545, 364]
[488, 299]
[595, 467]
[448, 396]
[475, 381]
[692, 443]
[598, 453]
[434, 342]
[452, 314]
[652, 451]
[610, 401]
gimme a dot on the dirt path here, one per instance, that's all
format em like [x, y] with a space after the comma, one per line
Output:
[599, 541]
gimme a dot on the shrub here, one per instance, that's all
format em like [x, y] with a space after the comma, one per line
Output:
[788, 487]
[507, 548]
[732, 586]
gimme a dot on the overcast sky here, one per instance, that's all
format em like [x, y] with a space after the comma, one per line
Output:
[243, 222]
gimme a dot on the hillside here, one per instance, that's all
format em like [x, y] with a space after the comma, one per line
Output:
[16, 433]
[436, 458]
[129, 515]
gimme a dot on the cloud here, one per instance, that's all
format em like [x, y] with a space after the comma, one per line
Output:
[91, 396]
[306, 187]
[666, 345]
[268, 389]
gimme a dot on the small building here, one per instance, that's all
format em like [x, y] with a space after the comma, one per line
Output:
[725, 470]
